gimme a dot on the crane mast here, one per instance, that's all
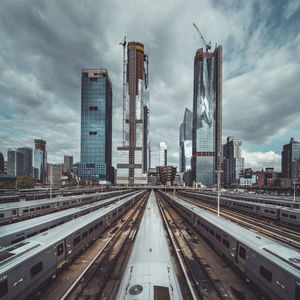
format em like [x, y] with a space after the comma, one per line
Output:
[208, 46]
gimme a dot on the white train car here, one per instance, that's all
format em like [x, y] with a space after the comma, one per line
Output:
[150, 273]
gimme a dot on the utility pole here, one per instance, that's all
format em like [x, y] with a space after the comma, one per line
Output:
[294, 190]
[218, 180]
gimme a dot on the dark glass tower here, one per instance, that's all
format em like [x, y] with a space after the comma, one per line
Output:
[40, 161]
[290, 160]
[96, 126]
[207, 116]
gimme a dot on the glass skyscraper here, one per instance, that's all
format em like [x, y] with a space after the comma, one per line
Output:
[96, 126]
[40, 161]
[233, 162]
[185, 141]
[290, 160]
[207, 116]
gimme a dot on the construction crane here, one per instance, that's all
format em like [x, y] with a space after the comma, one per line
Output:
[208, 46]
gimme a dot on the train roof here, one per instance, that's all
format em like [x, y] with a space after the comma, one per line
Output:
[23, 204]
[288, 258]
[27, 224]
[14, 254]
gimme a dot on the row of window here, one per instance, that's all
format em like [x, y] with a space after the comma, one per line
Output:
[78, 239]
[288, 216]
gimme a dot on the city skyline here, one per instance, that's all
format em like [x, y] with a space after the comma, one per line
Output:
[260, 71]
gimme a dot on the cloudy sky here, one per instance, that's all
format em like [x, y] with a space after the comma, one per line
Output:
[45, 44]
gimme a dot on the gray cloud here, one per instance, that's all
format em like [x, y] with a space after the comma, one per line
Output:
[44, 45]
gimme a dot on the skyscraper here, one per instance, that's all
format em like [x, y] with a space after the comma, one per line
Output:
[15, 161]
[27, 160]
[163, 154]
[68, 164]
[40, 161]
[185, 141]
[290, 160]
[207, 116]
[233, 162]
[1, 163]
[96, 126]
[133, 155]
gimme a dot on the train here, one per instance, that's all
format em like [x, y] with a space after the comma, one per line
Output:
[25, 266]
[150, 273]
[287, 215]
[274, 200]
[272, 267]
[17, 232]
[10, 212]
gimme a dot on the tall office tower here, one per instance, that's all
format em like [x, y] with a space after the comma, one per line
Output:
[68, 164]
[163, 154]
[185, 141]
[233, 162]
[15, 161]
[40, 161]
[133, 155]
[27, 161]
[207, 116]
[96, 126]
[290, 160]
[1, 163]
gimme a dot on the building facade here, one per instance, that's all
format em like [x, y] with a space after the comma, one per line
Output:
[207, 116]
[133, 155]
[40, 161]
[233, 162]
[290, 160]
[15, 162]
[27, 160]
[96, 126]
[185, 141]
[163, 154]
[54, 174]
[68, 164]
[1, 163]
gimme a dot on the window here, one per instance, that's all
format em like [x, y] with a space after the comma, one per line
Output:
[91, 230]
[242, 253]
[48, 206]
[96, 226]
[32, 209]
[60, 249]
[25, 211]
[292, 216]
[93, 107]
[31, 234]
[36, 269]
[3, 288]
[1, 215]
[38, 208]
[14, 212]
[211, 232]
[92, 132]
[93, 79]
[76, 241]
[225, 243]
[266, 211]
[84, 235]
[218, 237]
[101, 223]
[90, 165]
[265, 273]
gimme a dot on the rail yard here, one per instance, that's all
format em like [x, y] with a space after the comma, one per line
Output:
[150, 244]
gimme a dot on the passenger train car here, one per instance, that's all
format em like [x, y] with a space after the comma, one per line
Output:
[17, 232]
[273, 268]
[25, 266]
[287, 215]
[150, 273]
[10, 212]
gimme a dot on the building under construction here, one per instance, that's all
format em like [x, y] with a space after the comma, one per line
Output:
[133, 155]
[207, 115]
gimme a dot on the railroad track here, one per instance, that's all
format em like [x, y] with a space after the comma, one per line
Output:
[284, 235]
[101, 278]
[205, 283]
